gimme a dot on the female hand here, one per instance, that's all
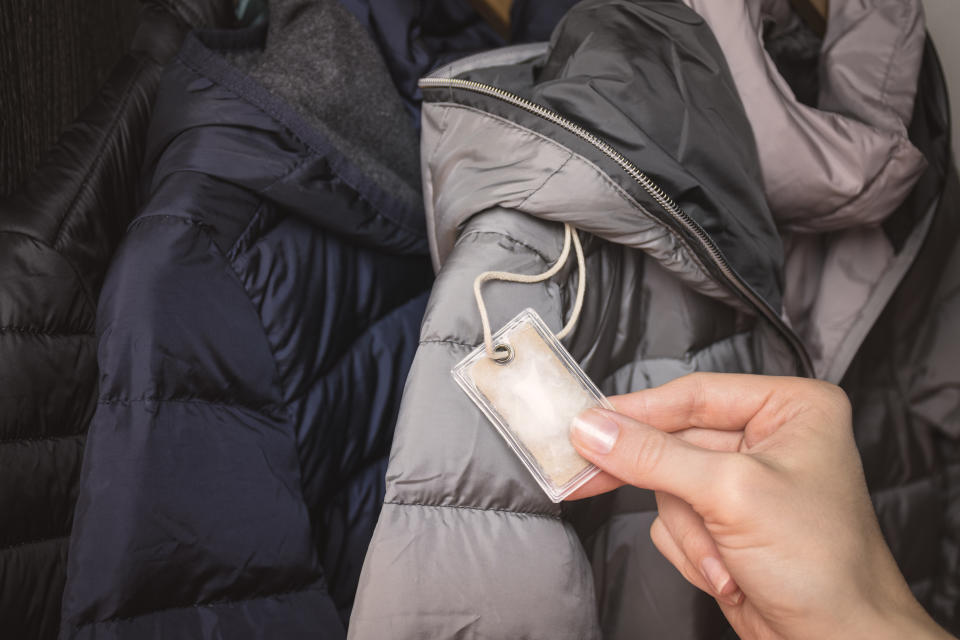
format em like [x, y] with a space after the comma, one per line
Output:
[762, 503]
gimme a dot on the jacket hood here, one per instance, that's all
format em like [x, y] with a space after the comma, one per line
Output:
[349, 134]
[498, 154]
[830, 119]
[845, 159]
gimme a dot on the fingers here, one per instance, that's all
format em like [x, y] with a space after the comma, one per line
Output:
[668, 547]
[703, 438]
[646, 457]
[710, 400]
[600, 483]
[712, 439]
[670, 550]
[690, 535]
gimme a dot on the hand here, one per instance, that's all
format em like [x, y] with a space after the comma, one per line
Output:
[762, 503]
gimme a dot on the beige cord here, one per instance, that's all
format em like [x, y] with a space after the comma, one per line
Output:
[505, 276]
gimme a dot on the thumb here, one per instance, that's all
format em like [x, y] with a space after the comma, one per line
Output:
[646, 457]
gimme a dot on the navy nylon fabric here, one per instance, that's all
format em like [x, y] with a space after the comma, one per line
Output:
[417, 37]
[255, 331]
[534, 20]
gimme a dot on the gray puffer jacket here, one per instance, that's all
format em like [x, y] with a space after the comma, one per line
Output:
[630, 127]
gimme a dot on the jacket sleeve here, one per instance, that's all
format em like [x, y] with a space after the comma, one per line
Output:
[190, 521]
[452, 555]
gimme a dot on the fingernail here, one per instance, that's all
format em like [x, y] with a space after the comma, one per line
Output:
[596, 432]
[733, 599]
[716, 574]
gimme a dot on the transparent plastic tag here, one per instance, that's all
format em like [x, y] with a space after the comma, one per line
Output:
[531, 397]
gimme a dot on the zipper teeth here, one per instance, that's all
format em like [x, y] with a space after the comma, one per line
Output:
[651, 187]
[648, 185]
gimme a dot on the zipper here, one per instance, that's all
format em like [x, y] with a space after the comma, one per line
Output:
[650, 187]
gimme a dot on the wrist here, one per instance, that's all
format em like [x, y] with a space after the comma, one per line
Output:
[892, 610]
[889, 611]
[906, 619]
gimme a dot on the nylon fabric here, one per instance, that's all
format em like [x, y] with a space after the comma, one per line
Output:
[847, 161]
[460, 478]
[840, 165]
[498, 182]
[416, 37]
[57, 236]
[254, 335]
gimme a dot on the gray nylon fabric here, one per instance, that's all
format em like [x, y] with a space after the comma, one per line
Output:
[660, 117]
[840, 166]
[847, 161]
[461, 512]
[543, 179]
[467, 545]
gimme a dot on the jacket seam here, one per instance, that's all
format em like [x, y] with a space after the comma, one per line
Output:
[194, 401]
[223, 82]
[26, 543]
[204, 228]
[107, 137]
[170, 216]
[62, 436]
[200, 221]
[450, 342]
[546, 180]
[533, 514]
[500, 234]
[895, 56]
[90, 299]
[281, 388]
[39, 331]
[442, 130]
[481, 232]
[285, 409]
[196, 605]
[245, 239]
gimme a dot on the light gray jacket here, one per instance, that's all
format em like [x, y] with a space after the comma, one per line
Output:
[631, 127]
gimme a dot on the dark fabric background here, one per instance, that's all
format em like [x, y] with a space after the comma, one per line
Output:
[54, 55]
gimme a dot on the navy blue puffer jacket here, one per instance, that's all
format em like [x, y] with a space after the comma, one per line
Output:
[255, 331]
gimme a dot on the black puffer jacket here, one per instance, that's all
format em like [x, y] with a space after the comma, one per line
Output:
[56, 238]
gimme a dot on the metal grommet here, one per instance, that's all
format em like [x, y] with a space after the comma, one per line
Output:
[503, 354]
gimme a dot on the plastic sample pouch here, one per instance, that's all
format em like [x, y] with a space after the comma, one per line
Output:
[531, 395]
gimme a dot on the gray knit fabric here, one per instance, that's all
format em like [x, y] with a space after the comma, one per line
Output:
[321, 61]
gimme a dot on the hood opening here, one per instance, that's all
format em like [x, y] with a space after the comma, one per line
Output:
[349, 98]
[831, 120]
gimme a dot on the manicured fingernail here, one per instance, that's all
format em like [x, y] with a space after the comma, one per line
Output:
[595, 431]
[716, 574]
